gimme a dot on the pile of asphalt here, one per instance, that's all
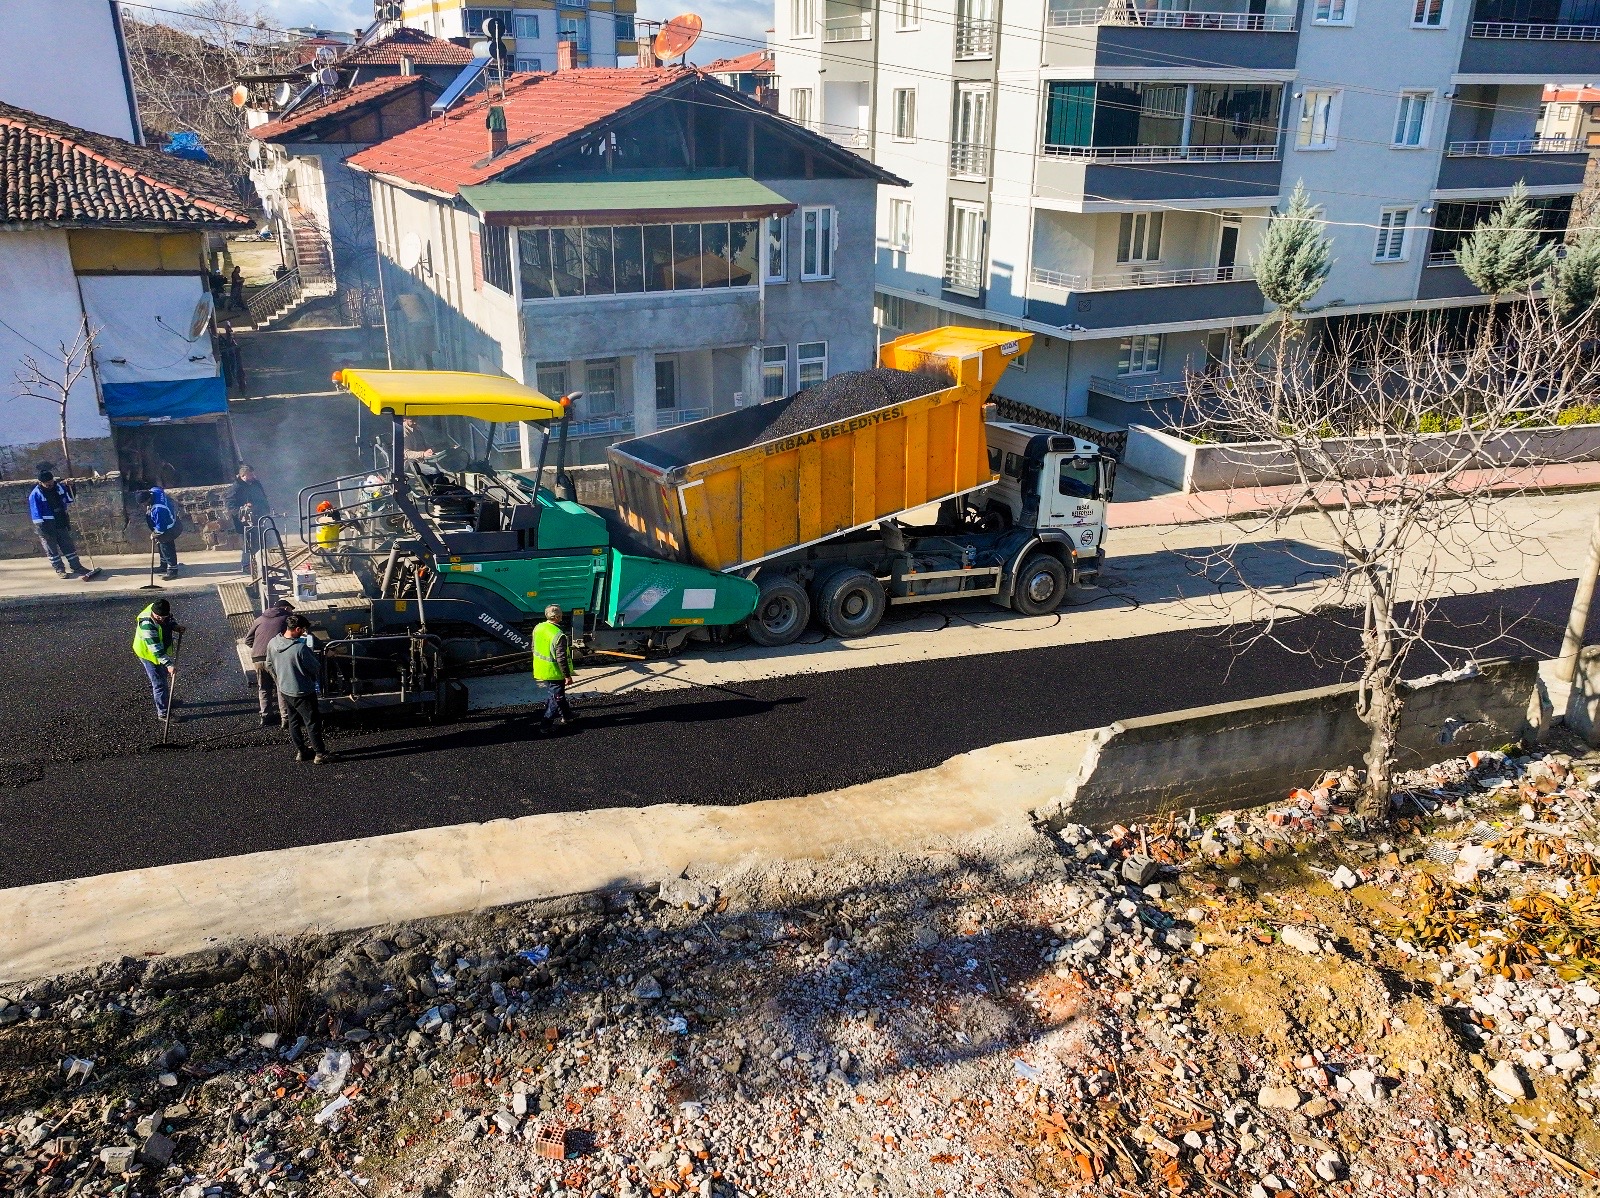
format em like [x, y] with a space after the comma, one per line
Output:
[850, 394]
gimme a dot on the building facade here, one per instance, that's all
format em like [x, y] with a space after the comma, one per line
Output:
[1573, 114]
[600, 30]
[646, 236]
[1102, 174]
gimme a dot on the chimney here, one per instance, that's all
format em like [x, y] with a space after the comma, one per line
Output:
[495, 122]
[407, 65]
[647, 51]
[566, 55]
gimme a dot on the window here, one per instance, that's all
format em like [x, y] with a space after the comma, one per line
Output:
[963, 270]
[1428, 14]
[1139, 238]
[1170, 115]
[1316, 131]
[1411, 119]
[600, 386]
[1564, 113]
[574, 30]
[472, 19]
[497, 257]
[1591, 140]
[812, 358]
[1013, 467]
[525, 24]
[776, 271]
[1079, 478]
[1069, 114]
[893, 312]
[666, 384]
[817, 231]
[905, 113]
[553, 379]
[800, 106]
[525, 65]
[802, 18]
[1453, 223]
[900, 226]
[907, 13]
[624, 27]
[1334, 12]
[1391, 245]
[629, 259]
[1140, 354]
[1235, 114]
[774, 372]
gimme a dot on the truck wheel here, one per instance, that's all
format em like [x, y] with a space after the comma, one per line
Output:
[781, 613]
[1041, 586]
[851, 603]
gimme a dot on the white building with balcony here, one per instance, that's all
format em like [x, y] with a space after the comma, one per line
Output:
[1101, 174]
[600, 30]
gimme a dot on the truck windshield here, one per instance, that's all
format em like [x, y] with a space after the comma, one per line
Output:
[1078, 477]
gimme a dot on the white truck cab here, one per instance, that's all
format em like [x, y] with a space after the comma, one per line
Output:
[1051, 482]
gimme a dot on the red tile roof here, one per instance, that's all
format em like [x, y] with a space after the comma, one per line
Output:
[421, 48]
[757, 62]
[382, 88]
[448, 152]
[1571, 95]
[55, 173]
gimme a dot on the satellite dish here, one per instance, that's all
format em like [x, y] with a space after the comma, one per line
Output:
[201, 317]
[677, 35]
[254, 153]
[326, 54]
[410, 251]
[282, 94]
[327, 76]
[239, 96]
[493, 29]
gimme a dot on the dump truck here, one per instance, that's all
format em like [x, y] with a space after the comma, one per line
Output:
[888, 487]
[919, 499]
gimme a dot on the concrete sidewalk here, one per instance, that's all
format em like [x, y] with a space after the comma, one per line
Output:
[31, 580]
[1241, 503]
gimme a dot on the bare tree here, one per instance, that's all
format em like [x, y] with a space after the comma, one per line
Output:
[54, 379]
[1401, 448]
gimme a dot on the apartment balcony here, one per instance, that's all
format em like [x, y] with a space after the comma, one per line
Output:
[1166, 153]
[1128, 389]
[963, 275]
[1492, 165]
[602, 426]
[975, 39]
[670, 417]
[1553, 39]
[1236, 174]
[969, 160]
[1226, 34]
[855, 27]
[1124, 16]
[855, 139]
[1128, 297]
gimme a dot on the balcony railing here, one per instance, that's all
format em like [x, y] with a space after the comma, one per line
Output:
[1130, 391]
[963, 274]
[1166, 153]
[856, 139]
[1160, 18]
[1122, 280]
[668, 417]
[1524, 31]
[969, 158]
[1442, 258]
[1513, 149]
[975, 39]
[599, 426]
[857, 27]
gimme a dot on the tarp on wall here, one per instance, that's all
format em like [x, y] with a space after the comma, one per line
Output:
[146, 327]
[146, 403]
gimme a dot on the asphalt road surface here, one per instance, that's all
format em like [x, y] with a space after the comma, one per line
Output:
[85, 790]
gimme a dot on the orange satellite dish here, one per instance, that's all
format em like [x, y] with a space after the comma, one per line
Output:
[677, 35]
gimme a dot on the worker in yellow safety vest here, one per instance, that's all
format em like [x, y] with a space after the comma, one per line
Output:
[552, 667]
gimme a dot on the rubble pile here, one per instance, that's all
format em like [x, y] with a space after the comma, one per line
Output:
[1279, 1002]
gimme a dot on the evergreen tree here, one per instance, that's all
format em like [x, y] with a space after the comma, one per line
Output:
[1573, 282]
[1295, 255]
[1503, 254]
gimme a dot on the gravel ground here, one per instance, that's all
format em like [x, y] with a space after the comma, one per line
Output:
[1239, 1005]
[850, 394]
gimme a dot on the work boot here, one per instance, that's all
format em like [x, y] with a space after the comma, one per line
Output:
[169, 576]
[267, 720]
[302, 755]
[547, 728]
[324, 759]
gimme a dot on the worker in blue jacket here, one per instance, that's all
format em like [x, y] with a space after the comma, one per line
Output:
[165, 528]
[47, 508]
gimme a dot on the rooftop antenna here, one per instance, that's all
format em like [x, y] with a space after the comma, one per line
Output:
[495, 31]
[677, 36]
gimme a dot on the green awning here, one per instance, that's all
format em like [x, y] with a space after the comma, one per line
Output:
[627, 197]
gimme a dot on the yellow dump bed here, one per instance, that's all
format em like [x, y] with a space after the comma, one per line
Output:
[722, 494]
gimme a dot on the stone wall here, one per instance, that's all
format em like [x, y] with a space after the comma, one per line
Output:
[108, 520]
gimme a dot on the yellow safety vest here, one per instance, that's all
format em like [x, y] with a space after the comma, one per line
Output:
[149, 637]
[552, 653]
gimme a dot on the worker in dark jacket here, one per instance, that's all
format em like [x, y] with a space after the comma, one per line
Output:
[247, 500]
[47, 508]
[165, 528]
[268, 625]
[292, 658]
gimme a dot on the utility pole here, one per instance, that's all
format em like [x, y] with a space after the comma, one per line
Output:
[1578, 620]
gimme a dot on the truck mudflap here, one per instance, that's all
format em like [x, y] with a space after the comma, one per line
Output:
[648, 592]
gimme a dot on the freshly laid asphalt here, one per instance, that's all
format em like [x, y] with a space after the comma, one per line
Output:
[84, 790]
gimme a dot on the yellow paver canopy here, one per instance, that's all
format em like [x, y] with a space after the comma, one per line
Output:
[490, 397]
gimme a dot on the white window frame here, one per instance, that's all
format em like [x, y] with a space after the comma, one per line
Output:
[774, 356]
[1403, 122]
[802, 19]
[965, 216]
[1139, 354]
[800, 106]
[802, 360]
[1341, 13]
[1440, 8]
[591, 390]
[899, 225]
[903, 114]
[824, 218]
[907, 15]
[781, 273]
[520, 20]
[1384, 242]
[524, 64]
[892, 312]
[1328, 99]
[1143, 236]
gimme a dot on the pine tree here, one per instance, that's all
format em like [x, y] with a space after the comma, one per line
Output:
[1295, 255]
[1503, 254]
[1573, 282]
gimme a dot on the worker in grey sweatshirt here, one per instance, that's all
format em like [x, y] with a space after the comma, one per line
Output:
[292, 658]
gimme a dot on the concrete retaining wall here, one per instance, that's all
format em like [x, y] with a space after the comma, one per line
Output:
[1215, 467]
[1240, 754]
[106, 519]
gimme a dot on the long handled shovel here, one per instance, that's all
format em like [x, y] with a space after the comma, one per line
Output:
[152, 585]
[172, 691]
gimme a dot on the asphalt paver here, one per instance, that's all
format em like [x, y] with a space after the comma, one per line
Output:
[86, 791]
